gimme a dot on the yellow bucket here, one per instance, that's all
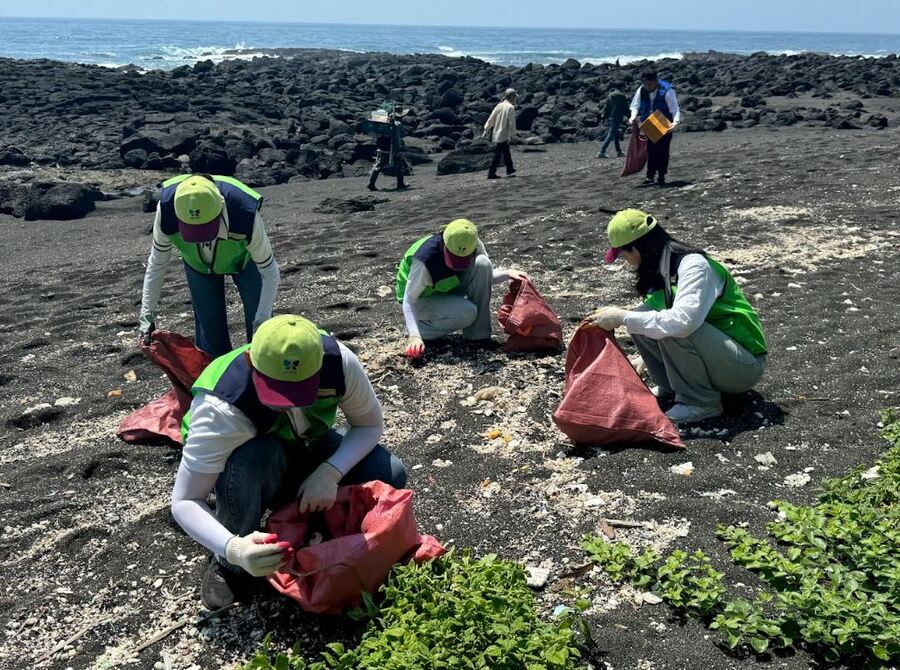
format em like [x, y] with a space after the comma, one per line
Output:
[656, 126]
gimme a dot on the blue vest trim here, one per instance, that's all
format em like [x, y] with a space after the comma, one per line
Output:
[431, 253]
[648, 106]
[235, 386]
[241, 207]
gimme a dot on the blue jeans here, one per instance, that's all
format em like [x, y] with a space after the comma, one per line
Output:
[264, 473]
[612, 135]
[208, 301]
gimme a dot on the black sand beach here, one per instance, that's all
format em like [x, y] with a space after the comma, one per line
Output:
[805, 218]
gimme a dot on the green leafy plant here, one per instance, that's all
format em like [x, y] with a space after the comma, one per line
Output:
[453, 612]
[833, 572]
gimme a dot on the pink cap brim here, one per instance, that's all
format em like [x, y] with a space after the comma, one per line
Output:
[611, 255]
[458, 262]
[206, 232]
[286, 395]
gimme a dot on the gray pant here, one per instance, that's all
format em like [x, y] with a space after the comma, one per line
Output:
[700, 367]
[467, 308]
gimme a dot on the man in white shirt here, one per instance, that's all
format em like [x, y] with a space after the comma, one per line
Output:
[656, 95]
[214, 223]
[501, 125]
[260, 433]
[444, 284]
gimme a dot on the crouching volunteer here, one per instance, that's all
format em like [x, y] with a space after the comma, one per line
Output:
[444, 284]
[260, 434]
[697, 334]
[214, 223]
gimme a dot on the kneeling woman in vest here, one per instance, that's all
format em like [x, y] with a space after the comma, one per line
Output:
[444, 284]
[260, 433]
[697, 334]
[215, 225]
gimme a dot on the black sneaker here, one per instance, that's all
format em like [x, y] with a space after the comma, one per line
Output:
[661, 180]
[372, 187]
[221, 587]
[494, 176]
[510, 173]
[648, 180]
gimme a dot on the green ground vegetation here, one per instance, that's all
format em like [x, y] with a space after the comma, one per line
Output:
[455, 612]
[830, 571]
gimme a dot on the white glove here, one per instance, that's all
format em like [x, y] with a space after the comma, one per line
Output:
[637, 362]
[318, 491]
[608, 318]
[260, 554]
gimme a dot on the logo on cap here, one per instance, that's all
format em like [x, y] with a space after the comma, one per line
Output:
[291, 366]
[194, 213]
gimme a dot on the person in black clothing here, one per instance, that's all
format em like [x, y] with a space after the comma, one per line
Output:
[655, 95]
[389, 151]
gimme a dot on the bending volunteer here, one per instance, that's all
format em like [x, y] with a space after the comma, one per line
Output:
[214, 223]
[260, 433]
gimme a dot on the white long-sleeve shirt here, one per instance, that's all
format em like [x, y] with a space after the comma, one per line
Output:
[420, 278]
[217, 428]
[671, 101]
[260, 249]
[502, 121]
[699, 286]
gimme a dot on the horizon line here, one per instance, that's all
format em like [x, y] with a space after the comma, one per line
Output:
[424, 25]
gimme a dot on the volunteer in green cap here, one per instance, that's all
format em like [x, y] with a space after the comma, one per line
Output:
[696, 332]
[214, 223]
[444, 284]
[260, 433]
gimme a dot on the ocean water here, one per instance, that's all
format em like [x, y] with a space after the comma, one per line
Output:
[168, 44]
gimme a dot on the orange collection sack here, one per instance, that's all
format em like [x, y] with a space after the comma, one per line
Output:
[370, 528]
[530, 322]
[182, 362]
[636, 156]
[605, 400]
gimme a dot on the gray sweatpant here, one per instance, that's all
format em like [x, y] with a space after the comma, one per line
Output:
[467, 308]
[700, 367]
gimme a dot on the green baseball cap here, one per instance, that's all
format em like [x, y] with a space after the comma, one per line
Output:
[626, 227]
[198, 205]
[460, 243]
[286, 353]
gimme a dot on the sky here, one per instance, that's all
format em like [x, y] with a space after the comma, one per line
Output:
[873, 16]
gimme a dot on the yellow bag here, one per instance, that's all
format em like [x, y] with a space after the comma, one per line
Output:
[656, 126]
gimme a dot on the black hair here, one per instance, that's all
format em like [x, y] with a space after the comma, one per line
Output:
[649, 75]
[651, 247]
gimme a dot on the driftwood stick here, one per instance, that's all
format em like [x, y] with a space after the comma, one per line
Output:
[621, 523]
[166, 632]
[73, 638]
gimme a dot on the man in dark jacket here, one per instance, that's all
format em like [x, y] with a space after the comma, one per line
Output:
[614, 114]
[656, 95]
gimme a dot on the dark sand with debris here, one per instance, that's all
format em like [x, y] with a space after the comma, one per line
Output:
[806, 219]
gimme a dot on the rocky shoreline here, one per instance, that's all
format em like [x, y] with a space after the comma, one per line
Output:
[292, 117]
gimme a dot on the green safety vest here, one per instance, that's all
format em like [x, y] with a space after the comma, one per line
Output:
[731, 313]
[229, 378]
[429, 250]
[230, 255]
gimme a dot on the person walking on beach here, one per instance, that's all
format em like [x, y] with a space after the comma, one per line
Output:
[614, 113]
[214, 223]
[260, 433]
[501, 125]
[389, 150]
[444, 284]
[656, 95]
[696, 332]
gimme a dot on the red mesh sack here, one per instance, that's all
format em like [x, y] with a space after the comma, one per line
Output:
[530, 322]
[182, 362]
[371, 528]
[605, 401]
[636, 156]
